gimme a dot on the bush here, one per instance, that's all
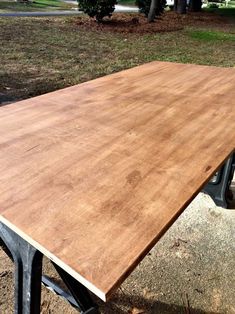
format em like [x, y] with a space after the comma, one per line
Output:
[144, 6]
[97, 8]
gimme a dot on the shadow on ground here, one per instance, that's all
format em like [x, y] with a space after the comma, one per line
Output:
[14, 87]
[147, 307]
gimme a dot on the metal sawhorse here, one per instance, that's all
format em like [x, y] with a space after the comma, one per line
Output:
[219, 186]
[28, 277]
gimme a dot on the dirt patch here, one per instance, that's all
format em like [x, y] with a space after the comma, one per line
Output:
[137, 23]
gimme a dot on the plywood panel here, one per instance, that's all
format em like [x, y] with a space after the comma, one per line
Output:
[92, 175]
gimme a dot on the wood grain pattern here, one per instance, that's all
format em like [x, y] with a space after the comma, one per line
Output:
[92, 175]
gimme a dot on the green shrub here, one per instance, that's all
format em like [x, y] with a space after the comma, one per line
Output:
[144, 6]
[97, 8]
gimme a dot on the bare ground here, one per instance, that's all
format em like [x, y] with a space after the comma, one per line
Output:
[167, 22]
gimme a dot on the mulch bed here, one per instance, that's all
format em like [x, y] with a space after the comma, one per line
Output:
[137, 23]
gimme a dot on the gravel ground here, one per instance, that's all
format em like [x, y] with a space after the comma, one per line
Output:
[189, 271]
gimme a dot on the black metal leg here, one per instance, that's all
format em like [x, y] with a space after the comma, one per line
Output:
[32, 275]
[79, 293]
[28, 271]
[28, 277]
[219, 187]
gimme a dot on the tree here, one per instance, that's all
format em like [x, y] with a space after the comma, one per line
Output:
[175, 5]
[180, 6]
[195, 5]
[151, 8]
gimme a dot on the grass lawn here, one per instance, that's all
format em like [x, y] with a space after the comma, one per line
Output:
[223, 11]
[44, 54]
[211, 36]
[34, 5]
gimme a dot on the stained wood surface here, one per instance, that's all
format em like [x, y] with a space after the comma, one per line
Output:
[92, 175]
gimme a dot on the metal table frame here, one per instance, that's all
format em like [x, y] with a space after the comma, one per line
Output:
[219, 186]
[28, 260]
[28, 277]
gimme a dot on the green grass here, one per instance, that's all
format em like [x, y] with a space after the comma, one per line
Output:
[211, 35]
[223, 11]
[44, 54]
[36, 5]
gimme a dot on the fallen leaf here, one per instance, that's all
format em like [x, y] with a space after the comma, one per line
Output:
[135, 310]
[149, 294]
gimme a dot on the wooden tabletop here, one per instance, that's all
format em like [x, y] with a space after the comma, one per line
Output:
[93, 175]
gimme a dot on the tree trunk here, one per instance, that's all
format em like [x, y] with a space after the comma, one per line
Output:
[181, 7]
[175, 5]
[195, 5]
[152, 11]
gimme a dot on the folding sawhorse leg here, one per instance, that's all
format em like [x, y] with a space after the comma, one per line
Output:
[28, 271]
[219, 186]
[28, 277]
